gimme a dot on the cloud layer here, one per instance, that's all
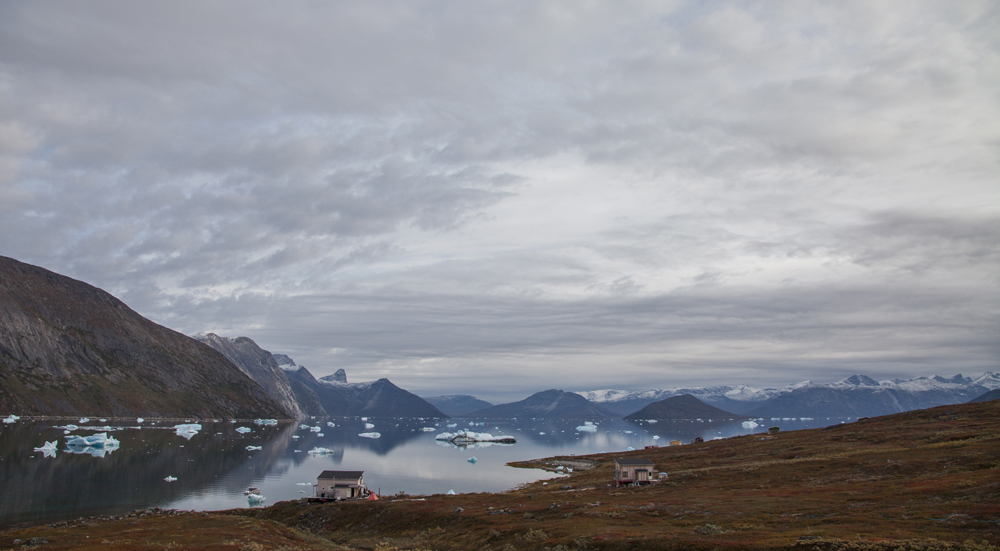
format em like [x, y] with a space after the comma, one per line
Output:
[496, 198]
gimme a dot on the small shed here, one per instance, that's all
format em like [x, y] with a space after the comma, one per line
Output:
[633, 471]
[340, 485]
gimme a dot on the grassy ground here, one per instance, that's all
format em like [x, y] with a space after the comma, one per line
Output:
[920, 480]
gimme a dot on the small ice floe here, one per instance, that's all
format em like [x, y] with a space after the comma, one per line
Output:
[295, 437]
[364, 418]
[84, 420]
[11, 419]
[451, 492]
[628, 432]
[453, 425]
[587, 426]
[750, 424]
[428, 429]
[170, 478]
[320, 434]
[139, 420]
[49, 449]
[253, 448]
[96, 445]
[187, 430]
[315, 429]
[244, 430]
[472, 460]
[103, 420]
[560, 467]
[297, 451]
[369, 426]
[330, 424]
[655, 437]
[370, 435]
[255, 499]
[264, 422]
[67, 428]
[321, 451]
[303, 483]
[650, 420]
[541, 434]
[303, 427]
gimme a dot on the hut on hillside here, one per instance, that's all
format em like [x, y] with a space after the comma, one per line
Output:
[340, 485]
[633, 471]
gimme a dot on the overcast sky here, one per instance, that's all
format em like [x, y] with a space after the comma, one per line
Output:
[496, 198]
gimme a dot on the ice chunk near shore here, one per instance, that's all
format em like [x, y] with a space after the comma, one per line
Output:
[451, 492]
[244, 430]
[371, 435]
[187, 430]
[264, 422]
[12, 419]
[255, 499]
[321, 451]
[750, 424]
[253, 448]
[170, 478]
[49, 449]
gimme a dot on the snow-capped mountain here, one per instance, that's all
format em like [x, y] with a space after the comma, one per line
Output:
[858, 395]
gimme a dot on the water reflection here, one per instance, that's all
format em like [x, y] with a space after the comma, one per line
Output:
[213, 465]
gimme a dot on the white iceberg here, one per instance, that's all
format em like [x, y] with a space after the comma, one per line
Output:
[255, 499]
[750, 424]
[630, 449]
[321, 451]
[330, 424]
[244, 430]
[650, 420]
[265, 422]
[453, 425]
[428, 429]
[49, 449]
[67, 428]
[451, 492]
[296, 437]
[472, 460]
[12, 419]
[170, 478]
[655, 437]
[369, 426]
[253, 448]
[303, 484]
[320, 434]
[84, 420]
[370, 435]
[96, 445]
[316, 429]
[139, 420]
[589, 427]
[187, 430]
[364, 418]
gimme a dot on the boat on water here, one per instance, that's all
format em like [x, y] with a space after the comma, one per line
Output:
[253, 490]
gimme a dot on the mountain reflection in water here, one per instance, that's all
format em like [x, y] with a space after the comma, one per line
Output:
[214, 466]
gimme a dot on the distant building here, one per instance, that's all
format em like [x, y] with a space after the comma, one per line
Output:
[340, 485]
[698, 440]
[633, 471]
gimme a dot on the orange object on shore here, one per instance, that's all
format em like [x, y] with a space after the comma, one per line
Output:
[372, 497]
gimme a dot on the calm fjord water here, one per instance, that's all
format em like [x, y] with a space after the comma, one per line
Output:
[213, 467]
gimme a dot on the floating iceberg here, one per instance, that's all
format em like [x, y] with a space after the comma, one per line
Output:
[321, 451]
[428, 429]
[472, 460]
[67, 427]
[253, 448]
[320, 434]
[170, 478]
[370, 435]
[187, 430]
[265, 422]
[139, 420]
[364, 418]
[655, 437]
[628, 432]
[650, 420]
[316, 429]
[303, 484]
[453, 425]
[369, 426]
[12, 419]
[466, 437]
[244, 430]
[96, 445]
[451, 492]
[296, 437]
[750, 424]
[303, 427]
[84, 420]
[49, 449]
[541, 434]
[330, 424]
[255, 499]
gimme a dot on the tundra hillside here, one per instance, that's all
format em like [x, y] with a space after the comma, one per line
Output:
[927, 479]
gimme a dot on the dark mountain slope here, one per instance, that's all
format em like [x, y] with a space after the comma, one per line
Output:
[991, 395]
[378, 398]
[69, 348]
[682, 407]
[546, 404]
[458, 404]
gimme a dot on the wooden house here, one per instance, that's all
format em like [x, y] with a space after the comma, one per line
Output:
[340, 485]
[633, 471]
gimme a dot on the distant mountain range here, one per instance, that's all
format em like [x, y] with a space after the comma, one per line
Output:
[299, 391]
[69, 348]
[684, 406]
[546, 404]
[458, 405]
[856, 396]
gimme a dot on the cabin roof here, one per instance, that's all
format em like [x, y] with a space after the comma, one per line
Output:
[633, 461]
[341, 474]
